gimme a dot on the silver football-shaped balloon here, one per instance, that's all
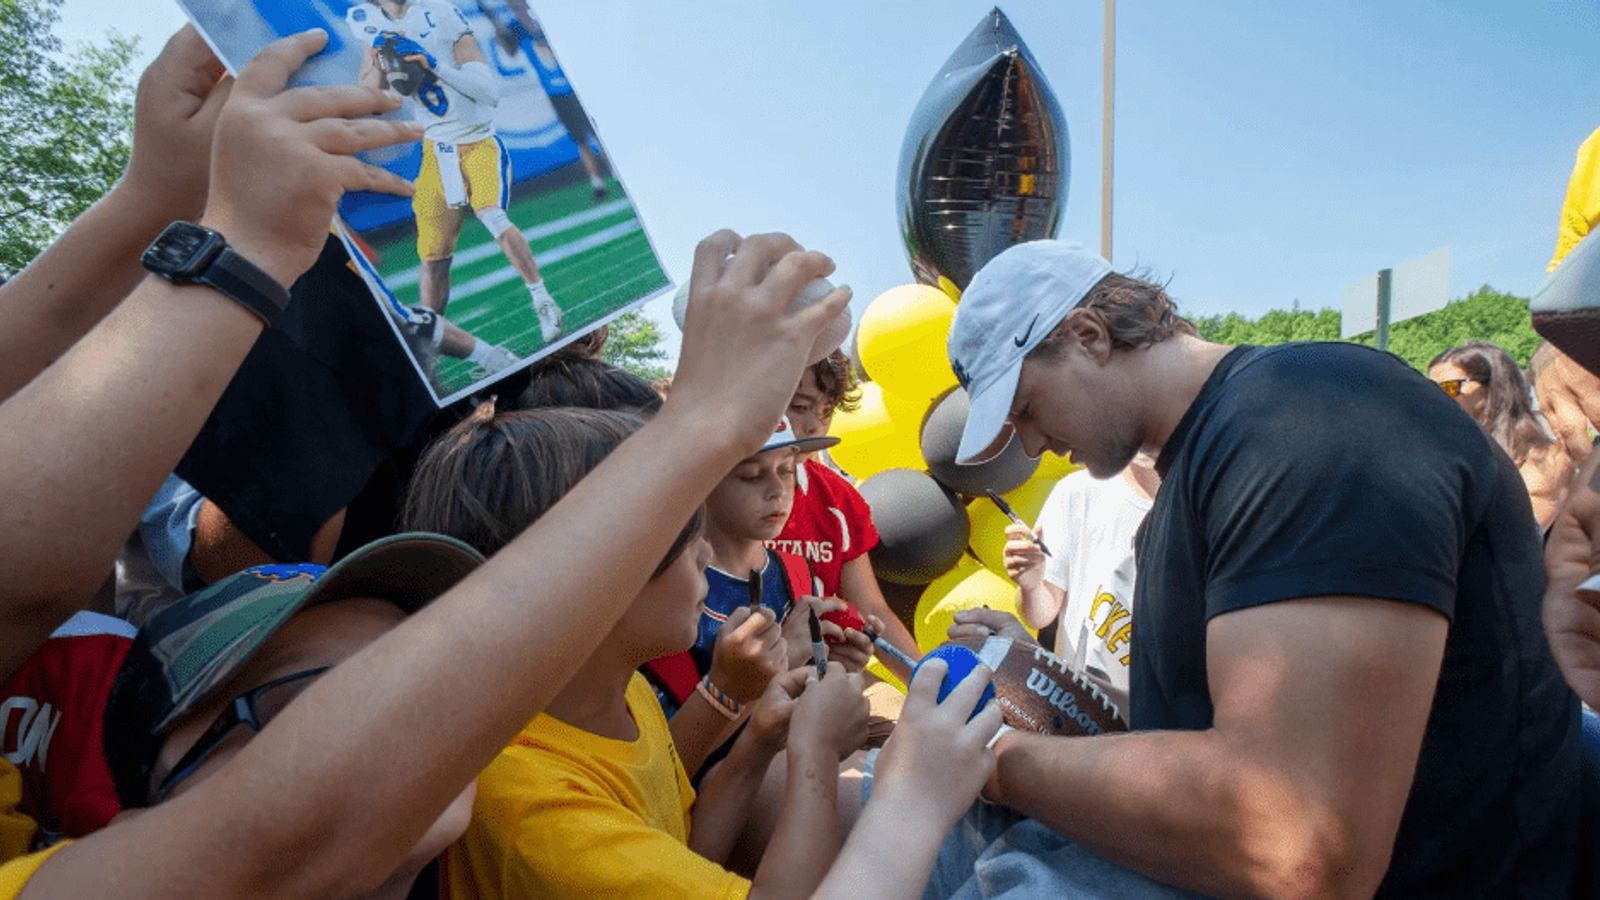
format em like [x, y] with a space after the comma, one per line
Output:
[985, 162]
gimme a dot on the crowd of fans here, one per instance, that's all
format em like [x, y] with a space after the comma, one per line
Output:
[580, 662]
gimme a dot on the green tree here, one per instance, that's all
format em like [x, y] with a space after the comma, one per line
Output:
[635, 345]
[67, 121]
[1483, 315]
[1275, 327]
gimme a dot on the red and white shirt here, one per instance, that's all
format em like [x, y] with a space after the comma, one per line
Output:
[51, 709]
[829, 525]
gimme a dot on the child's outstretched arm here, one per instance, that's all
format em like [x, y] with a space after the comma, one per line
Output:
[698, 728]
[931, 770]
[748, 653]
[829, 721]
[729, 793]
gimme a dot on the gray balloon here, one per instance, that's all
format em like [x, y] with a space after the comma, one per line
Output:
[941, 435]
[922, 526]
[985, 162]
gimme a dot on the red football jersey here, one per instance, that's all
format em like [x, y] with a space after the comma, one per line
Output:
[50, 725]
[829, 525]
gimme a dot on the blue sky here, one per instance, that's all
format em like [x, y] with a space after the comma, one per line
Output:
[1266, 152]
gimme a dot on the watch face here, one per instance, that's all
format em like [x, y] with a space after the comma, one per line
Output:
[182, 250]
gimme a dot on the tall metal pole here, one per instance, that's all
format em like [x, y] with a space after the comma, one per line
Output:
[1385, 279]
[1108, 55]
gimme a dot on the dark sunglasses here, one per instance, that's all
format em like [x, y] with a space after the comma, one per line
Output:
[253, 708]
[1453, 386]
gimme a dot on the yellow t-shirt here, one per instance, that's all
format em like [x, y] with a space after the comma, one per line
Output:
[14, 875]
[16, 829]
[562, 813]
[1580, 213]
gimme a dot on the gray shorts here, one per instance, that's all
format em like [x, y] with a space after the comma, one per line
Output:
[993, 852]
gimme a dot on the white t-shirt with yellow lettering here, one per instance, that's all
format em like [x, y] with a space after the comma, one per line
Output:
[1089, 526]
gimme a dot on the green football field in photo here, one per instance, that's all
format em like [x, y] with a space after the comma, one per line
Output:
[592, 253]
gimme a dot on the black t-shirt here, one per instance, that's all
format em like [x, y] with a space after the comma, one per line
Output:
[1332, 469]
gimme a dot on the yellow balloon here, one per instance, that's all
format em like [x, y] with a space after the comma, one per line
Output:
[988, 541]
[908, 416]
[874, 667]
[936, 591]
[902, 338]
[967, 586]
[880, 434]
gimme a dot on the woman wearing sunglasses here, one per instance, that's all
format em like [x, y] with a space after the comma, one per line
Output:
[1486, 382]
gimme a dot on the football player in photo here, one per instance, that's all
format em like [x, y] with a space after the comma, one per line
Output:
[425, 51]
[429, 335]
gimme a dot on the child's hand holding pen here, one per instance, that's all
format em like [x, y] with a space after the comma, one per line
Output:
[748, 652]
[819, 650]
[1023, 557]
[830, 719]
[868, 628]
[1005, 508]
[797, 627]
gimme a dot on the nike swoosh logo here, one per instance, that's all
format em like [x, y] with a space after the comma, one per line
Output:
[1023, 341]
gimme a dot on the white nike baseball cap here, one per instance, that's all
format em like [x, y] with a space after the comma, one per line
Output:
[1013, 302]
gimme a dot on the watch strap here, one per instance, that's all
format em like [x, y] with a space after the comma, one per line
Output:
[245, 284]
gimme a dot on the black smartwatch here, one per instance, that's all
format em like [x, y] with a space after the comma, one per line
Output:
[186, 253]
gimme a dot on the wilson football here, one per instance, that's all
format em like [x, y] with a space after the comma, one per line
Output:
[1037, 690]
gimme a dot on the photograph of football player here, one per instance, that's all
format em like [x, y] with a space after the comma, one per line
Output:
[503, 138]
[425, 51]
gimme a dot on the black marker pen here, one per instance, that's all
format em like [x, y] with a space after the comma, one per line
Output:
[1012, 515]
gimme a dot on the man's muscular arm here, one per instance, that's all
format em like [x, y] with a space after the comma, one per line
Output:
[1294, 790]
